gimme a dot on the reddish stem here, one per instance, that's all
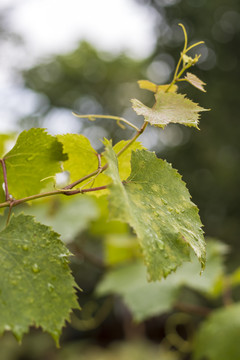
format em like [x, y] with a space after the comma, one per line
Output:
[7, 197]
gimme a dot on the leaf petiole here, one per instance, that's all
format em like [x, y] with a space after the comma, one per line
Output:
[93, 117]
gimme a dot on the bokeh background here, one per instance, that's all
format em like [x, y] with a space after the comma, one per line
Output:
[58, 57]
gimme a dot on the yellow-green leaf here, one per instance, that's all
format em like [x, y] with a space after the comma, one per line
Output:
[169, 108]
[148, 85]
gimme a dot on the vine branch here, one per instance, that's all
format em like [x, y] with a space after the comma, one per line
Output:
[92, 117]
[7, 196]
[67, 190]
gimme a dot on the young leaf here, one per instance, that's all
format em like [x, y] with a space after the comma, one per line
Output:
[148, 85]
[35, 156]
[218, 337]
[169, 108]
[156, 203]
[36, 285]
[195, 81]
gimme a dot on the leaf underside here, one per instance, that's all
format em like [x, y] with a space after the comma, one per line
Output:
[195, 81]
[36, 284]
[156, 203]
[169, 108]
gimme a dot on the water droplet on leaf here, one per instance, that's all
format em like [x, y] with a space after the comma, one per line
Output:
[35, 268]
[50, 287]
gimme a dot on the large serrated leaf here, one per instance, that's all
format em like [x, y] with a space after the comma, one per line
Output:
[36, 284]
[35, 156]
[156, 203]
[169, 108]
[218, 337]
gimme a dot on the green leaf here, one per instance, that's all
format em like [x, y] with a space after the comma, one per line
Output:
[146, 299]
[169, 108]
[35, 156]
[195, 81]
[36, 284]
[156, 203]
[218, 337]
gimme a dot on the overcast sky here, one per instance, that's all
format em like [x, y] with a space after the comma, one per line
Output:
[56, 26]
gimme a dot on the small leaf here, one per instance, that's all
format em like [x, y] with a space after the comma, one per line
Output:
[189, 61]
[218, 337]
[195, 81]
[37, 288]
[170, 108]
[156, 203]
[148, 85]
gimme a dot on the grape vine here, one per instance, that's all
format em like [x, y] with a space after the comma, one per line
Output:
[164, 219]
